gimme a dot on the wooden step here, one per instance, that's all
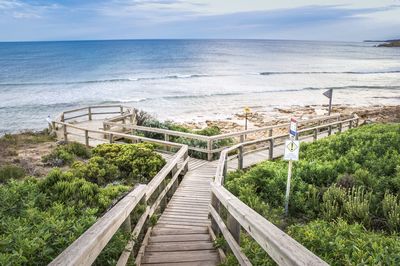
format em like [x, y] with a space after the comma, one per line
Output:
[180, 246]
[179, 238]
[180, 256]
[192, 263]
[161, 231]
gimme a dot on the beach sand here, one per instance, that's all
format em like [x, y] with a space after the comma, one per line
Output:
[236, 122]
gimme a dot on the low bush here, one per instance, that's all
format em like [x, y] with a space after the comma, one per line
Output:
[136, 162]
[341, 243]
[39, 218]
[10, 171]
[352, 177]
[66, 153]
[97, 170]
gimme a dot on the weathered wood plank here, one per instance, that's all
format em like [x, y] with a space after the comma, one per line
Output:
[179, 238]
[180, 246]
[180, 256]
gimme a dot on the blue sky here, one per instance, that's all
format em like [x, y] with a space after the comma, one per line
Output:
[342, 20]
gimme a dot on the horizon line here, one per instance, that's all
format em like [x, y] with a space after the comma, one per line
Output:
[187, 39]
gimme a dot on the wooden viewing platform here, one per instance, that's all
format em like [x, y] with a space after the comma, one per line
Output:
[188, 193]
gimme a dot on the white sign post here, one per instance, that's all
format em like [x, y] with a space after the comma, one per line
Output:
[292, 148]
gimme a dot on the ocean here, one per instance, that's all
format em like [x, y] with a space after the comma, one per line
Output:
[189, 80]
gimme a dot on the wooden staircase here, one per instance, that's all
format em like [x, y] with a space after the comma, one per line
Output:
[181, 235]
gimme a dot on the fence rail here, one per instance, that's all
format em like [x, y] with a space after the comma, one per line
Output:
[208, 142]
[280, 247]
[90, 111]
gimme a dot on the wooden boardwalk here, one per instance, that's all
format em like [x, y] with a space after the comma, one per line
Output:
[181, 235]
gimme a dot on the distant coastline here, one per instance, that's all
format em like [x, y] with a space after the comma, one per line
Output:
[395, 43]
[386, 43]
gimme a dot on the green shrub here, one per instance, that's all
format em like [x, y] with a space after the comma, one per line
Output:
[66, 154]
[357, 204]
[65, 187]
[136, 162]
[346, 185]
[39, 218]
[330, 180]
[10, 171]
[33, 234]
[340, 243]
[332, 202]
[97, 170]
[391, 210]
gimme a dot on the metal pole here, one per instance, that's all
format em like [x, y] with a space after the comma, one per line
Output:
[288, 188]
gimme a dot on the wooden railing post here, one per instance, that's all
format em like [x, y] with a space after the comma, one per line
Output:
[350, 124]
[216, 205]
[209, 148]
[270, 133]
[163, 202]
[90, 113]
[240, 158]
[271, 149]
[240, 155]
[65, 132]
[225, 170]
[329, 130]
[62, 118]
[166, 138]
[186, 168]
[175, 184]
[233, 227]
[340, 127]
[121, 110]
[111, 138]
[315, 134]
[87, 138]
[127, 226]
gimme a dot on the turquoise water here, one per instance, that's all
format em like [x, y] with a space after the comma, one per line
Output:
[189, 80]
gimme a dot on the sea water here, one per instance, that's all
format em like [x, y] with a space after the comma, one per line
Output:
[189, 80]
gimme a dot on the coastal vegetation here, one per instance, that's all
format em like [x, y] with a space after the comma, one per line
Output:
[145, 119]
[41, 216]
[344, 203]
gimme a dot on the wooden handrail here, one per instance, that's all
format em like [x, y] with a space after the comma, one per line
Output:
[209, 140]
[89, 245]
[122, 135]
[89, 113]
[161, 131]
[280, 247]
[263, 129]
[283, 249]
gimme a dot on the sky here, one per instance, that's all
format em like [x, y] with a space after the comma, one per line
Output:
[333, 20]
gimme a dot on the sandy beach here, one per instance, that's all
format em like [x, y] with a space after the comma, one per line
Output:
[236, 122]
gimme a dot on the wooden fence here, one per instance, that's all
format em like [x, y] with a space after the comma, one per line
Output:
[280, 247]
[210, 141]
[90, 111]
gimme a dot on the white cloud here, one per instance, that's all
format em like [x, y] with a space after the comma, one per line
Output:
[22, 10]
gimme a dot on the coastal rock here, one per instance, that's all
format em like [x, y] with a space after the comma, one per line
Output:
[394, 43]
